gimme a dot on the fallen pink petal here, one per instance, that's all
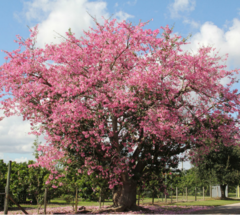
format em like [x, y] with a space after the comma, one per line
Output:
[95, 210]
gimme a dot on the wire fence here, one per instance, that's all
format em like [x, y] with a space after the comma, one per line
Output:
[175, 195]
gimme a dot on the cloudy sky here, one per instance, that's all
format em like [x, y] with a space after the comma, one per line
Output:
[215, 23]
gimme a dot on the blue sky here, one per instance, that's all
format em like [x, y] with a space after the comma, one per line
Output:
[215, 23]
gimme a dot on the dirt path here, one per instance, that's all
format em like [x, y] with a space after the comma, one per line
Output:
[226, 209]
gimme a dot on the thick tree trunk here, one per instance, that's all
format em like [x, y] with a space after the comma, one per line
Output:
[125, 196]
[223, 188]
[116, 195]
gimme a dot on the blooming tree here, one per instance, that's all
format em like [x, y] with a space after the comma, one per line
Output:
[222, 160]
[121, 97]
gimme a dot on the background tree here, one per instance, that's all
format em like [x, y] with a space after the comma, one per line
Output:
[52, 193]
[3, 171]
[223, 163]
[191, 179]
[36, 143]
[220, 160]
[19, 185]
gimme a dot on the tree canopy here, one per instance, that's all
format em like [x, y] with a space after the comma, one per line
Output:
[122, 98]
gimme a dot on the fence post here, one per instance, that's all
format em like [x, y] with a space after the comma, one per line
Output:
[76, 200]
[17, 204]
[152, 197]
[211, 191]
[100, 198]
[238, 191]
[7, 189]
[165, 197]
[138, 195]
[186, 194]
[45, 201]
[195, 194]
[182, 194]
[171, 189]
[203, 194]
[176, 194]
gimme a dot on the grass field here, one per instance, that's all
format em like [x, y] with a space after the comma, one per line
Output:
[207, 202]
[58, 202]
[210, 202]
[158, 207]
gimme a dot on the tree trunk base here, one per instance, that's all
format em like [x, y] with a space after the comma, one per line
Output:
[225, 198]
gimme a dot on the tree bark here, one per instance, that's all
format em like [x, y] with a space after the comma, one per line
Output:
[116, 195]
[125, 195]
[223, 188]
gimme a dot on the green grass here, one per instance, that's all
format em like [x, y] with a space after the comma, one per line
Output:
[58, 202]
[180, 198]
[232, 195]
[211, 202]
[191, 201]
[81, 203]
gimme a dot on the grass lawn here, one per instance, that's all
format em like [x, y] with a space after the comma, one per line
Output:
[208, 201]
[211, 202]
[58, 202]
[180, 198]
[62, 203]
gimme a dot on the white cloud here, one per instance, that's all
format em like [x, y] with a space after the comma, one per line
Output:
[122, 16]
[21, 160]
[14, 135]
[131, 3]
[181, 5]
[33, 11]
[192, 23]
[60, 15]
[116, 4]
[224, 42]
